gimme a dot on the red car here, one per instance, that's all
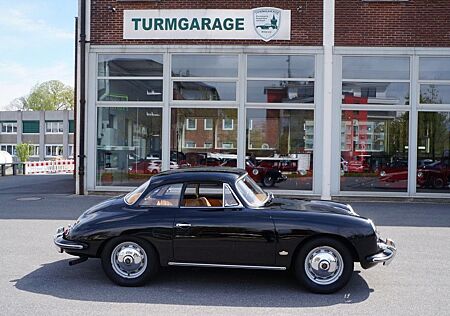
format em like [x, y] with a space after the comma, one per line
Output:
[394, 171]
[359, 165]
[435, 175]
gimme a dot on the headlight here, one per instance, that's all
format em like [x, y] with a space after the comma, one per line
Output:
[420, 174]
[255, 171]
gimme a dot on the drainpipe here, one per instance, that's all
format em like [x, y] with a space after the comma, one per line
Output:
[328, 44]
[75, 99]
[82, 88]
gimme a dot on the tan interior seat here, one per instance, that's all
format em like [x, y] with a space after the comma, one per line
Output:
[164, 203]
[201, 201]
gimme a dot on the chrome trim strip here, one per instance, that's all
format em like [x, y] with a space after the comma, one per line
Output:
[230, 266]
[66, 246]
[59, 234]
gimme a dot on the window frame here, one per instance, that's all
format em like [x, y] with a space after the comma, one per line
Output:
[98, 78]
[61, 146]
[205, 79]
[224, 184]
[8, 124]
[4, 147]
[58, 129]
[141, 199]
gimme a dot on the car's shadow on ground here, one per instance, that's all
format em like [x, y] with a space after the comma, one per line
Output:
[186, 286]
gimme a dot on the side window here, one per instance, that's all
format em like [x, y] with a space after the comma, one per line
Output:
[163, 196]
[228, 196]
[203, 195]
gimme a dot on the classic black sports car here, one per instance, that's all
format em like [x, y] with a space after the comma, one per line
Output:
[219, 217]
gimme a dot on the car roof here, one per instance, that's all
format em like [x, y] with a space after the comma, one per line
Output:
[221, 174]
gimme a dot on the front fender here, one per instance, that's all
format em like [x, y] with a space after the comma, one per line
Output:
[294, 230]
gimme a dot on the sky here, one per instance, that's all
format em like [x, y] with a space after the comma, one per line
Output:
[36, 45]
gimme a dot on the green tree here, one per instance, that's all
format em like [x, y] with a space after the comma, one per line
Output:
[47, 96]
[24, 151]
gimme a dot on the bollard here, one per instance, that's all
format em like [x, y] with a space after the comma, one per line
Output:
[14, 168]
[3, 170]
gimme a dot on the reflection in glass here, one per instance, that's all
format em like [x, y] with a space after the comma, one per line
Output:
[434, 94]
[370, 67]
[266, 91]
[130, 65]
[433, 147]
[392, 93]
[129, 90]
[374, 150]
[434, 68]
[225, 66]
[210, 143]
[281, 140]
[128, 145]
[280, 66]
[201, 91]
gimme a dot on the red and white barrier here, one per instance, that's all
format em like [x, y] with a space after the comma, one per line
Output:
[50, 167]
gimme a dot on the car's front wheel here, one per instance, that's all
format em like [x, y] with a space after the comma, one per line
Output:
[269, 180]
[324, 265]
[129, 261]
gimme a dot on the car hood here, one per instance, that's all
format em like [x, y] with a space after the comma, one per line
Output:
[319, 206]
[105, 205]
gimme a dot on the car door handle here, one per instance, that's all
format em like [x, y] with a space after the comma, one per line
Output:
[183, 225]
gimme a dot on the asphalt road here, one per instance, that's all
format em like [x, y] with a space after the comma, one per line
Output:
[36, 280]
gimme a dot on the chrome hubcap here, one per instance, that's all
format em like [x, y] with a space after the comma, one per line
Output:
[129, 260]
[324, 265]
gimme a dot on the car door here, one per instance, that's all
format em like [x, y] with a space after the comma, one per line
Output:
[158, 209]
[210, 232]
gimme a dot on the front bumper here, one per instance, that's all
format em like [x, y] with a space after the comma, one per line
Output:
[64, 244]
[387, 253]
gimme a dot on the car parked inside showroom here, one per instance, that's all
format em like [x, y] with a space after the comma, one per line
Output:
[268, 176]
[220, 218]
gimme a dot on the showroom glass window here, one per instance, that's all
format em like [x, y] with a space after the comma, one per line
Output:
[374, 123]
[204, 77]
[202, 132]
[280, 140]
[433, 137]
[280, 79]
[129, 77]
[213, 144]
[128, 145]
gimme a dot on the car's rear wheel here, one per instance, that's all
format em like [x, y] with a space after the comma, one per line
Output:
[129, 261]
[438, 183]
[324, 265]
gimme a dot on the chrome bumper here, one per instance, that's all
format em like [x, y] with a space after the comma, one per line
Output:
[64, 244]
[386, 255]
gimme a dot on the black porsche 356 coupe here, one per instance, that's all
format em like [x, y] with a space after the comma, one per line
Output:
[222, 218]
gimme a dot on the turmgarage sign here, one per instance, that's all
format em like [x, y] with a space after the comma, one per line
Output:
[260, 23]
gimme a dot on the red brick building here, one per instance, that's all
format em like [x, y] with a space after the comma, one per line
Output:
[316, 84]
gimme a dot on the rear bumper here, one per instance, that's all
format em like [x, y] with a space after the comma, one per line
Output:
[387, 253]
[64, 244]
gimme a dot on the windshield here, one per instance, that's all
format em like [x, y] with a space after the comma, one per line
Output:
[134, 195]
[251, 192]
